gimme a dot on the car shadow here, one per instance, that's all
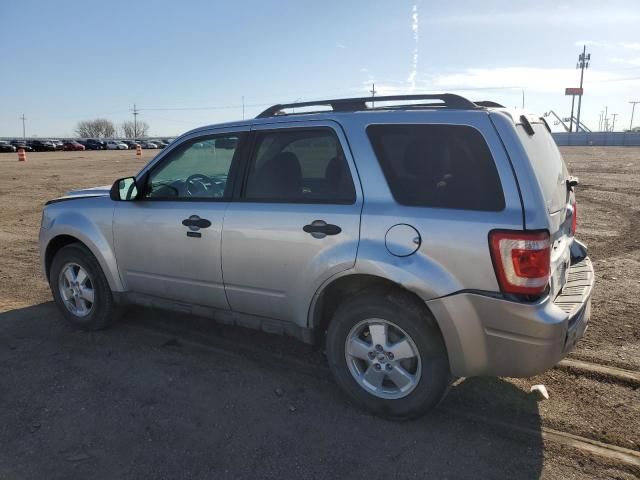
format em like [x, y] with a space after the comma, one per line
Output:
[124, 403]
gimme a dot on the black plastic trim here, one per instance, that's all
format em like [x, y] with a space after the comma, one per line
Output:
[449, 100]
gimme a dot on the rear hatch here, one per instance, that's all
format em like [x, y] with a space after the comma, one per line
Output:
[555, 184]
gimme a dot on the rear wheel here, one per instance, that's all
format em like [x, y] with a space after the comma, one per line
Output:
[386, 351]
[80, 289]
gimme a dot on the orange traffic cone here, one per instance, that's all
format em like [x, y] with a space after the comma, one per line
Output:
[22, 156]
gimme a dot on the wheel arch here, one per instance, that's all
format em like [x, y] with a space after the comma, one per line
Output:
[88, 235]
[331, 294]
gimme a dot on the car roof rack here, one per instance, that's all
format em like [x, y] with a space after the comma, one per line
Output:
[489, 104]
[449, 100]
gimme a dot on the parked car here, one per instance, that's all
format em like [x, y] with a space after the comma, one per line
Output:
[159, 143]
[92, 144]
[59, 144]
[22, 144]
[416, 243]
[42, 145]
[130, 144]
[116, 145]
[6, 147]
[146, 144]
[72, 145]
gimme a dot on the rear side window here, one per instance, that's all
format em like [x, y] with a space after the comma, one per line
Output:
[441, 166]
[548, 164]
[299, 166]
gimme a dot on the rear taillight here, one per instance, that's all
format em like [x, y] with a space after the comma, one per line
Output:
[574, 218]
[522, 260]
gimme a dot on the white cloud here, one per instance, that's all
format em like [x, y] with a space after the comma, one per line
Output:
[560, 18]
[626, 61]
[630, 46]
[601, 44]
[530, 78]
[339, 45]
[506, 79]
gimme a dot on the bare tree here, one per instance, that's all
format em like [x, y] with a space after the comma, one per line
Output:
[98, 128]
[134, 130]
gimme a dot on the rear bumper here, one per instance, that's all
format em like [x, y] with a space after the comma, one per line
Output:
[492, 336]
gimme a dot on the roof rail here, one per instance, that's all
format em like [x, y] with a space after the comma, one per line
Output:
[449, 100]
[489, 104]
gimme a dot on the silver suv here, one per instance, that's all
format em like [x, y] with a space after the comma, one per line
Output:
[421, 239]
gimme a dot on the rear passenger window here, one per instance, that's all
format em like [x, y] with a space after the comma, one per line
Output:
[443, 166]
[299, 166]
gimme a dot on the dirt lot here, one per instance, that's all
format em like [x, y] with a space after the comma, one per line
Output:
[127, 404]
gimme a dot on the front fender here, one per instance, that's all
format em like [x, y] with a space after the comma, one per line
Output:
[90, 222]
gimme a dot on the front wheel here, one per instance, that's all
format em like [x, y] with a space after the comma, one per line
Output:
[80, 289]
[386, 351]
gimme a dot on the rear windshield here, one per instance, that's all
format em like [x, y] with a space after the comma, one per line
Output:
[548, 164]
[442, 166]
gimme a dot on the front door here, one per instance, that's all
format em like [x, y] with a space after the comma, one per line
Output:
[168, 241]
[296, 222]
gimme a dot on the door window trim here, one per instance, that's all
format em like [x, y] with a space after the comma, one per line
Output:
[240, 186]
[234, 169]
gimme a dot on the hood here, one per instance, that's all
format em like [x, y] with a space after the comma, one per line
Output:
[83, 193]
[89, 192]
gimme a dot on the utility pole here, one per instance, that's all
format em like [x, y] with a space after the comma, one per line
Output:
[583, 62]
[605, 120]
[373, 95]
[633, 109]
[135, 122]
[24, 135]
[243, 107]
[613, 123]
[600, 120]
[523, 98]
[573, 101]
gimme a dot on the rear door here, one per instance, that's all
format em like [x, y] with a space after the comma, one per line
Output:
[296, 222]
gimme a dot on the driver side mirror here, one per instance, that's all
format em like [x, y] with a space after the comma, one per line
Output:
[124, 189]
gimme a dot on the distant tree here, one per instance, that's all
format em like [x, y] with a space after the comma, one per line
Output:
[134, 130]
[98, 128]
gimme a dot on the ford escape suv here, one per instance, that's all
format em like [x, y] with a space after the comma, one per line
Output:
[421, 239]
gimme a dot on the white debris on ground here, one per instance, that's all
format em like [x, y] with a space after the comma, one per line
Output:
[540, 391]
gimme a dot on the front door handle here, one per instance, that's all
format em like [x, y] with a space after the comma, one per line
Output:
[320, 228]
[194, 222]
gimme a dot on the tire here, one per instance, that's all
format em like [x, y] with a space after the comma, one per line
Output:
[96, 315]
[405, 319]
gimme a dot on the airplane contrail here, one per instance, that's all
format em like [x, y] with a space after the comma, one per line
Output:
[416, 33]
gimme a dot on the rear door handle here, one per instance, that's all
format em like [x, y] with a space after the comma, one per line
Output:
[320, 228]
[194, 222]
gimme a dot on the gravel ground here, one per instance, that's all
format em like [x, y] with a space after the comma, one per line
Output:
[126, 403]
[119, 404]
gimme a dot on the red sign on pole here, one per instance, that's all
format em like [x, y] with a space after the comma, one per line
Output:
[573, 91]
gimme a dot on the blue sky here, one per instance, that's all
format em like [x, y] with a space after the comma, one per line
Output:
[189, 63]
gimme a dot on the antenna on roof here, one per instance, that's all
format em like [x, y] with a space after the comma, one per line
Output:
[373, 95]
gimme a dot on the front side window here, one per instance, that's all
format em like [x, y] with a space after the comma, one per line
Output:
[299, 166]
[197, 169]
[441, 166]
